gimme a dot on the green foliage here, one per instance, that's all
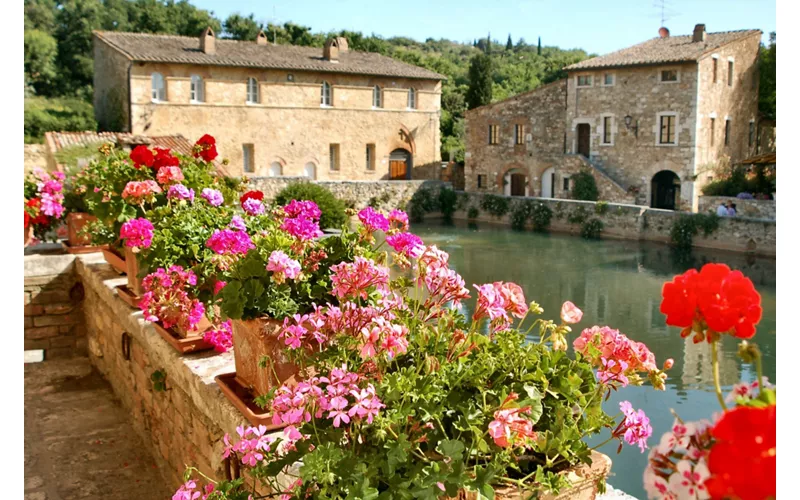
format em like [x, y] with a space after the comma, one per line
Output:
[40, 59]
[159, 380]
[377, 202]
[480, 81]
[520, 215]
[541, 216]
[686, 226]
[447, 203]
[767, 68]
[495, 205]
[427, 200]
[333, 210]
[537, 212]
[578, 216]
[68, 115]
[72, 155]
[591, 229]
[601, 208]
[473, 212]
[584, 186]
[735, 179]
[238, 27]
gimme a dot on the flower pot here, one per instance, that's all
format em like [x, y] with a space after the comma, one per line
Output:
[28, 235]
[252, 340]
[584, 479]
[200, 328]
[115, 259]
[183, 344]
[132, 270]
[76, 222]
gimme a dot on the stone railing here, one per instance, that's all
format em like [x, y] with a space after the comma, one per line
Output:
[634, 222]
[761, 209]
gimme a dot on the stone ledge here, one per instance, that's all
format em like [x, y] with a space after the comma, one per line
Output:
[48, 265]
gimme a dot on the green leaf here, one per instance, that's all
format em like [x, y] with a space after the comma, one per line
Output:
[452, 448]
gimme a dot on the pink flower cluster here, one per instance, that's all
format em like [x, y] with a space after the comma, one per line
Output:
[252, 206]
[747, 390]
[302, 220]
[282, 266]
[137, 233]
[189, 491]
[511, 428]
[408, 244]
[353, 279]
[616, 356]
[570, 313]
[180, 192]
[373, 220]
[635, 429]
[226, 242]
[338, 394]
[138, 192]
[169, 175]
[212, 196]
[443, 284]
[497, 301]
[166, 299]
[381, 336]
[255, 443]
[237, 223]
[50, 190]
[677, 467]
[398, 220]
[220, 337]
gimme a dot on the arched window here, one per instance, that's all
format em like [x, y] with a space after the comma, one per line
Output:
[252, 90]
[310, 171]
[377, 97]
[197, 91]
[158, 88]
[325, 98]
[412, 99]
[275, 169]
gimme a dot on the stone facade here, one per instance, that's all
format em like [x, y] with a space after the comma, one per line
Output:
[761, 209]
[612, 115]
[287, 131]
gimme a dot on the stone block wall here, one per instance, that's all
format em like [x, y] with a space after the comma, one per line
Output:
[761, 209]
[53, 306]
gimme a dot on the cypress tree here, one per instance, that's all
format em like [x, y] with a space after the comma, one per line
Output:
[539, 47]
[489, 43]
[479, 92]
[509, 43]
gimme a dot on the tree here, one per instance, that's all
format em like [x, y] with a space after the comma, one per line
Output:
[767, 97]
[539, 47]
[40, 60]
[479, 92]
[74, 24]
[509, 43]
[238, 27]
[489, 43]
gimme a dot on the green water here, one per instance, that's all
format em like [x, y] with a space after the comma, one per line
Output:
[616, 283]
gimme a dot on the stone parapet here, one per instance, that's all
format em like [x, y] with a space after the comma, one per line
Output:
[761, 209]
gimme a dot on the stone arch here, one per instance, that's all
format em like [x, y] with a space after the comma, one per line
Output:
[504, 179]
[402, 139]
[266, 170]
[665, 190]
[401, 163]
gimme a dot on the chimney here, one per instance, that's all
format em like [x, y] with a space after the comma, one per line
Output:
[334, 47]
[208, 41]
[699, 33]
[663, 32]
[261, 39]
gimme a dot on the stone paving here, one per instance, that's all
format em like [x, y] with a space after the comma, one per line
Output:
[79, 442]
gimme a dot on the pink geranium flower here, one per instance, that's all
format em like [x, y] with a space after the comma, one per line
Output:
[372, 220]
[511, 429]
[398, 219]
[635, 429]
[137, 233]
[570, 313]
[169, 175]
[407, 244]
[497, 301]
[282, 266]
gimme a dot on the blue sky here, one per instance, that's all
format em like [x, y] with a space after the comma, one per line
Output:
[598, 26]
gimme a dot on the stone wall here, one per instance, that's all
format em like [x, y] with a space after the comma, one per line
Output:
[53, 306]
[36, 156]
[633, 222]
[607, 188]
[359, 194]
[112, 106]
[760, 209]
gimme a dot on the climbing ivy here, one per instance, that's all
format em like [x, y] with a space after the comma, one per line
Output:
[495, 205]
[541, 216]
[159, 380]
[686, 226]
[473, 212]
[578, 216]
[601, 208]
[591, 229]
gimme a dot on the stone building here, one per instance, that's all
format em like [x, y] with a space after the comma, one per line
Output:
[649, 122]
[276, 110]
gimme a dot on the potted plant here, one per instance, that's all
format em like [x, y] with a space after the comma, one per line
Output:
[398, 395]
[44, 208]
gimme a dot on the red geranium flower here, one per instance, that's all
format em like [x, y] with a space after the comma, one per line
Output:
[141, 155]
[725, 300]
[256, 195]
[164, 158]
[27, 220]
[206, 147]
[742, 461]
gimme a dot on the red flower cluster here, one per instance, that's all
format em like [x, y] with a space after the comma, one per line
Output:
[41, 218]
[716, 298]
[164, 158]
[742, 461]
[251, 195]
[206, 147]
[141, 155]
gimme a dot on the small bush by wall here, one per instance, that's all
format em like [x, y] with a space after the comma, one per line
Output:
[585, 187]
[495, 205]
[333, 210]
[687, 226]
[591, 229]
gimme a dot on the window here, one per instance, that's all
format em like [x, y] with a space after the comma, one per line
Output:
[730, 73]
[325, 96]
[601, 307]
[669, 75]
[584, 80]
[727, 131]
[715, 69]
[608, 79]
[377, 101]
[667, 135]
[606, 130]
[713, 131]
[481, 180]
[493, 134]
[519, 133]
[158, 88]
[370, 157]
[248, 156]
[252, 91]
[566, 183]
[196, 91]
[412, 99]
[752, 134]
[276, 169]
[334, 154]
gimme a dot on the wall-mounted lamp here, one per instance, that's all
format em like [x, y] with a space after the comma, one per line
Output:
[628, 120]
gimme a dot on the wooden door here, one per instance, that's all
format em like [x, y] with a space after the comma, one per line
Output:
[517, 185]
[584, 139]
[397, 170]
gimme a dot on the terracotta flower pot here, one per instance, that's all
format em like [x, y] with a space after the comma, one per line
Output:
[76, 222]
[584, 479]
[198, 329]
[252, 340]
[132, 270]
[115, 259]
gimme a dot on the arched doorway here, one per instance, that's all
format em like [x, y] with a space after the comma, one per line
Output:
[665, 190]
[515, 183]
[548, 181]
[400, 164]
[310, 171]
[275, 169]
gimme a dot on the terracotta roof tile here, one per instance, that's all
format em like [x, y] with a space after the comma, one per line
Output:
[186, 50]
[57, 141]
[663, 50]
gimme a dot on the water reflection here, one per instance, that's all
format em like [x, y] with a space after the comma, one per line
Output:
[616, 283]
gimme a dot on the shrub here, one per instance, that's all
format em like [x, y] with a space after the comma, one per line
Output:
[67, 115]
[447, 203]
[473, 212]
[422, 202]
[519, 216]
[687, 226]
[377, 202]
[745, 196]
[578, 216]
[585, 187]
[495, 205]
[601, 208]
[333, 210]
[541, 215]
[591, 229]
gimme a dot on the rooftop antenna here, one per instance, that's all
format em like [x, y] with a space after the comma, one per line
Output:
[665, 11]
[274, 23]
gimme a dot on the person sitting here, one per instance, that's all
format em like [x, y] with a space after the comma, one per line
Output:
[722, 210]
[731, 209]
